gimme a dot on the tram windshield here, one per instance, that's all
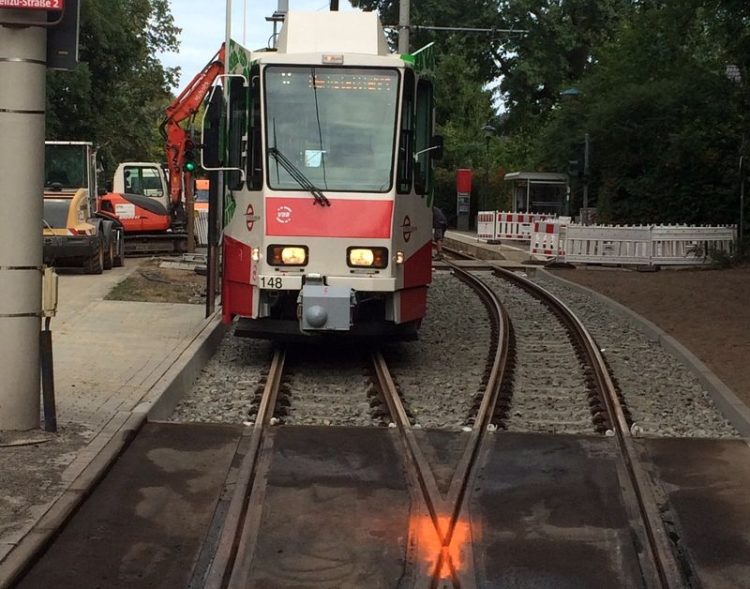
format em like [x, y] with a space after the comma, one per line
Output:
[336, 124]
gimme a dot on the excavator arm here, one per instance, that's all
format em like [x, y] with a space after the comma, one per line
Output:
[177, 139]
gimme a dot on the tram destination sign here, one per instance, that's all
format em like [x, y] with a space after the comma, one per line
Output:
[33, 4]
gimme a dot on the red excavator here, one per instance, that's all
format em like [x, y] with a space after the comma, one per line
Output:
[151, 211]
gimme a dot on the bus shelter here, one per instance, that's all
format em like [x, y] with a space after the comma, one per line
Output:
[540, 192]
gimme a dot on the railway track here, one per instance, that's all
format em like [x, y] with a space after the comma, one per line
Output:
[445, 511]
[609, 416]
[319, 506]
[231, 566]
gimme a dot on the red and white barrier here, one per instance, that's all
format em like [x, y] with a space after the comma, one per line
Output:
[486, 226]
[497, 225]
[548, 239]
[516, 226]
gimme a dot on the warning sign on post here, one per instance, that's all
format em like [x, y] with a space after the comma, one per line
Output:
[33, 4]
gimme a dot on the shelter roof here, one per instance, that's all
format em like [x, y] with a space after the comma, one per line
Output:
[538, 177]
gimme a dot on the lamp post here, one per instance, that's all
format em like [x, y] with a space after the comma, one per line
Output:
[574, 94]
[733, 74]
[489, 131]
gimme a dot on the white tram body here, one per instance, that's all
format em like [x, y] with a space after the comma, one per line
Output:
[327, 212]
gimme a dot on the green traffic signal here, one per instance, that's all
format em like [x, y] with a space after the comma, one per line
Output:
[189, 166]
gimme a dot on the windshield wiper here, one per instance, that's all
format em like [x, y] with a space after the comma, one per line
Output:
[299, 177]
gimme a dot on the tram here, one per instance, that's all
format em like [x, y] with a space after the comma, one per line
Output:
[326, 146]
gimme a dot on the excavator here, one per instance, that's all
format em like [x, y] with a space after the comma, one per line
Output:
[150, 206]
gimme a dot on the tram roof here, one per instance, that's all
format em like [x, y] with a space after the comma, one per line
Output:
[333, 32]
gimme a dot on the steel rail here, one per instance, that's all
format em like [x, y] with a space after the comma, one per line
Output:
[228, 565]
[501, 344]
[453, 504]
[414, 456]
[662, 555]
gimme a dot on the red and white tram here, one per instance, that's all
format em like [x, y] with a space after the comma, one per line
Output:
[327, 166]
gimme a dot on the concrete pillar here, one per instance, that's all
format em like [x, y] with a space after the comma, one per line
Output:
[22, 108]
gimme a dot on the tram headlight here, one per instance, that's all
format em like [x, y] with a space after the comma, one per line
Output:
[367, 257]
[287, 255]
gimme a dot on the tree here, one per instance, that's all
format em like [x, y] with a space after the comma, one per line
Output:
[561, 45]
[116, 96]
[661, 117]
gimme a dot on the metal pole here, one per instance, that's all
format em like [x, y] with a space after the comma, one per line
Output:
[189, 192]
[586, 176]
[48, 379]
[22, 107]
[228, 34]
[212, 258]
[528, 195]
[740, 229]
[403, 26]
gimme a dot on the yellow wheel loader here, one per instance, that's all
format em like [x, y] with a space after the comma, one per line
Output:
[74, 234]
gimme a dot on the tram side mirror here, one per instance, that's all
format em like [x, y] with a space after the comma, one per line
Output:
[210, 156]
[436, 146]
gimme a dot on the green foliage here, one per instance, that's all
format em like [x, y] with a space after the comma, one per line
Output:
[663, 118]
[666, 125]
[560, 47]
[463, 108]
[117, 95]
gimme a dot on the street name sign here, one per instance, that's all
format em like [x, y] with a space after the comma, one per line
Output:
[33, 4]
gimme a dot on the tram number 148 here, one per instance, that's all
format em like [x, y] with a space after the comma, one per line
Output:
[274, 282]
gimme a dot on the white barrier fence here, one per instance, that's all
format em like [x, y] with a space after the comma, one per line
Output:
[201, 227]
[651, 245]
[643, 245]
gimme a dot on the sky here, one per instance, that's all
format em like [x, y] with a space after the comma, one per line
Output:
[203, 24]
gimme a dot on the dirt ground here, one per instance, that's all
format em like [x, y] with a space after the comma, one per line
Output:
[153, 283]
[707, 310]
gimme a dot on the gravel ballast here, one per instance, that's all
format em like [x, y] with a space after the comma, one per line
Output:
[664, 398]
[440, 375]
[550, 393]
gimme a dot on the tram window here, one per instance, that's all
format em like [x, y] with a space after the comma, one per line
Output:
[255, 149]
[237, 131]
[424, 125]
[406, 137]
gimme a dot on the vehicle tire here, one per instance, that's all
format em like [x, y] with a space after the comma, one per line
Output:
[95, 263]
[109, 252]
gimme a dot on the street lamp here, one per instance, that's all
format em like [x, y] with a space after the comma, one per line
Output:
[733, 74]
[489, 131]
[574, 94]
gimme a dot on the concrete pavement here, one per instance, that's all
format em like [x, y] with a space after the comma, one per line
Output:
[114, 362]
